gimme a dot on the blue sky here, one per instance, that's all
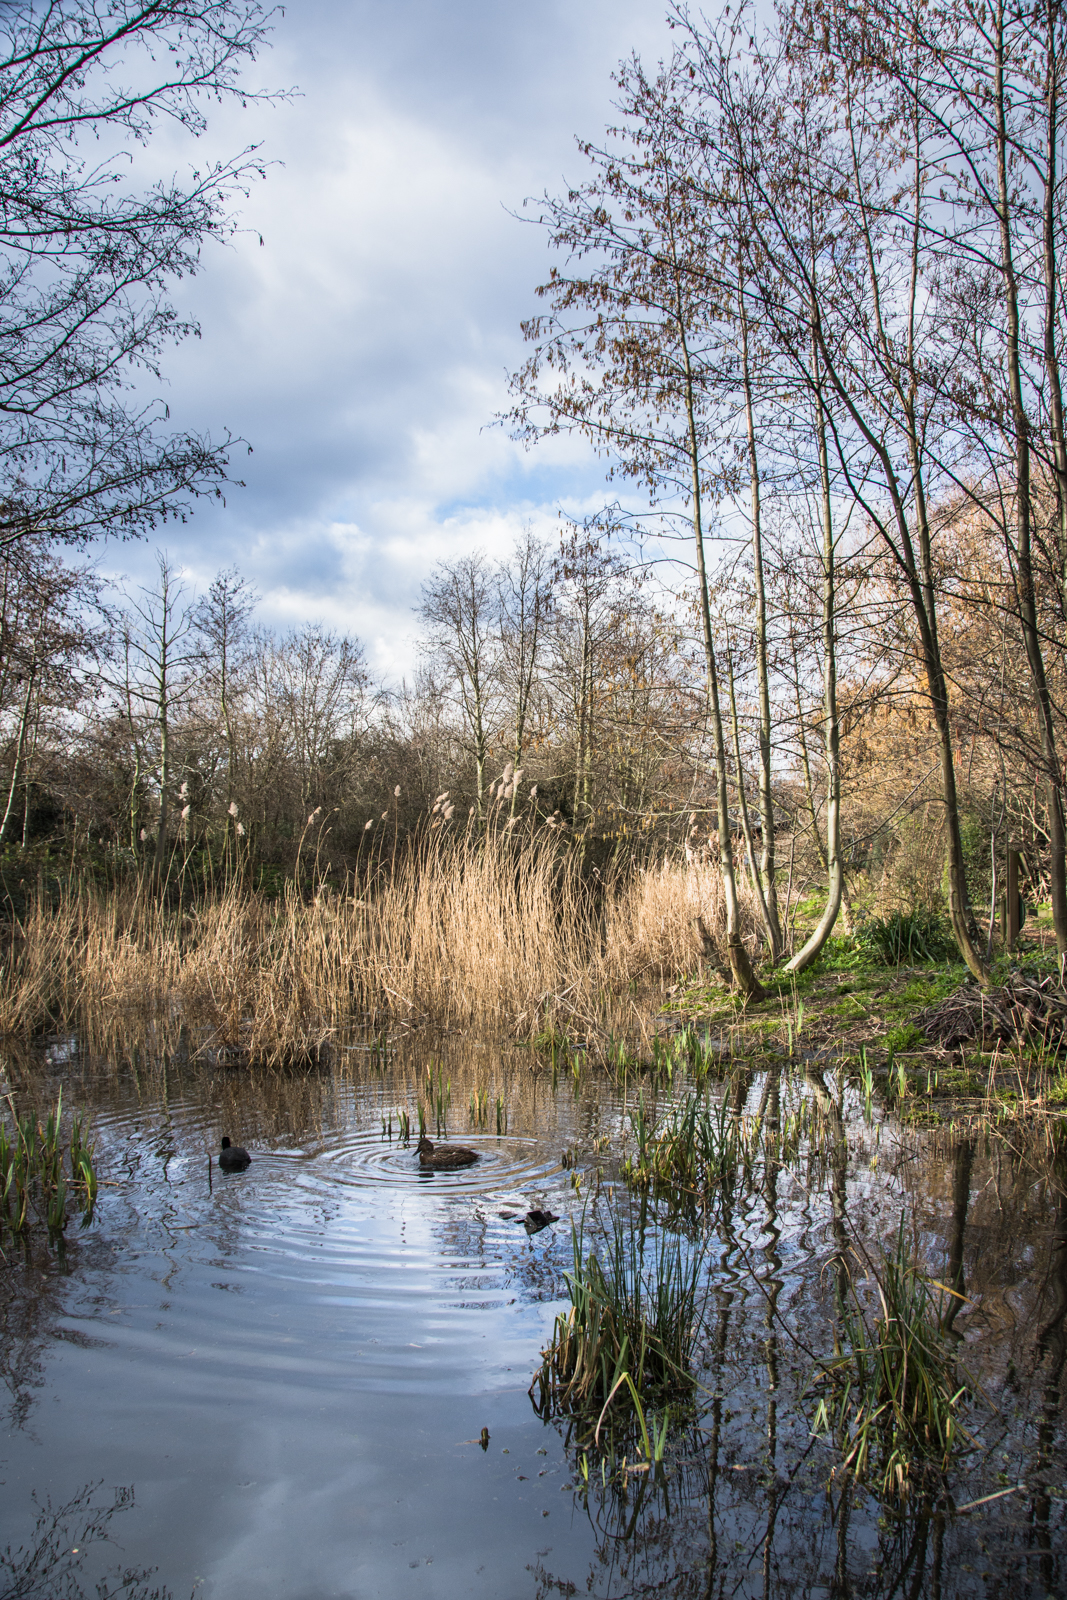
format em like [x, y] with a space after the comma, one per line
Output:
[362, 349]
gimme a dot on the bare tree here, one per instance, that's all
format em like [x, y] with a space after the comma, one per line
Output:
[871, 319]
[623, 351]
[460, 607]
[526, 603]
[48, 647]
[85, 256]
[221, 621]
[159, 652]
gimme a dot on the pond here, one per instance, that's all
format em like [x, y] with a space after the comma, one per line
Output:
[310, 1379]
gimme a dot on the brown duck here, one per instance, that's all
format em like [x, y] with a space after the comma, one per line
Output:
[452, 1156]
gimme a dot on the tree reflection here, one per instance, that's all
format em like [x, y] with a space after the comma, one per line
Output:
[49, 1565]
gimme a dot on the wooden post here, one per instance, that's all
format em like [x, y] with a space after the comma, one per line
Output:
[1012, 920]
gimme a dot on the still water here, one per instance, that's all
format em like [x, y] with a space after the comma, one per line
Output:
[286, 1371]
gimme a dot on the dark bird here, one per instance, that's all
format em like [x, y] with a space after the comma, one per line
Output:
[232, 1158]
[534, 1221]
[453, 1155]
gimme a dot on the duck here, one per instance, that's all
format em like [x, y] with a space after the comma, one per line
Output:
[456, 1155]
[232, 1158]
[535, 1220]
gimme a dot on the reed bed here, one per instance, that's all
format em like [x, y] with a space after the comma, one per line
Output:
[485, 931]
[694, 1147]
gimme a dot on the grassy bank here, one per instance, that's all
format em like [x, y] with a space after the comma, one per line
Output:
[883, 1021]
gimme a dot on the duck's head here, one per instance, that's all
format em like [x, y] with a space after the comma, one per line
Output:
[424, 1147]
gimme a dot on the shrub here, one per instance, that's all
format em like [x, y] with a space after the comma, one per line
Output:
[906, 936]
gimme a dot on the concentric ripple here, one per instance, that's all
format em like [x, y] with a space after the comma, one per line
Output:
[361, 1156]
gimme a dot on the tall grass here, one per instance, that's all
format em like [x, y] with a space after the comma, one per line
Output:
[891, 1396]
[36, 1183]
[485, 930]
[632, 1328]
[697, 1144]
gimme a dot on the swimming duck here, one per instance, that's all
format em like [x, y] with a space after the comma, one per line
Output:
[535, 1220]
[232, 1158]
[454, 1155]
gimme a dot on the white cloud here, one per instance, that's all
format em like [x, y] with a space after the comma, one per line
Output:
[363, 349]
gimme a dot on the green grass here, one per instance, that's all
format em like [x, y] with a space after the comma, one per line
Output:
[890, 1398]
[906, 1036]
[906, 938]
[632, 1328]
[41, 1178]
[696, 1145]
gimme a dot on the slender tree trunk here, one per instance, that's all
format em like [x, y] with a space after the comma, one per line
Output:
[529, 646]
[831, 722]
[805, 765]
[481, 750]
[1049, 221]
[742, 800]
[769, 899]
[20, 743]
[745, 980]
[228, 821]
[164, 782]
[163, 719]
[26, 777]
[1024, 555]
[135, 809]
[959, 908]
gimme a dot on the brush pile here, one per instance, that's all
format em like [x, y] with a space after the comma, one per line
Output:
[1024, 1010]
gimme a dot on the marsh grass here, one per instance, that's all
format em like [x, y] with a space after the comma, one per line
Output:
[41, 1175]
[891, 1396]
[484, 931]
[906, 938]
[700, 1146]
[687, 1051]
[694, 1146]
[632, 1329]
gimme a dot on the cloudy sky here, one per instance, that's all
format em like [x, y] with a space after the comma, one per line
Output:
[362, 349]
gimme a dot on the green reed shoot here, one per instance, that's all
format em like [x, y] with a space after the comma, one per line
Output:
[891, 1395]
[694, 1147]
[652, 1447]
[34, 1176]
[793, 1018]
[439, 1094]
[403, 1126]
[501, 1115]
[479, 1107]
[867, 1085]
[696, 1051]
[632, 1326]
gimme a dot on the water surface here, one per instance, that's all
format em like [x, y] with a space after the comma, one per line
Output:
[291, 1367]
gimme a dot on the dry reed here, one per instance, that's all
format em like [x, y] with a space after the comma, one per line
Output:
[486, 931]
